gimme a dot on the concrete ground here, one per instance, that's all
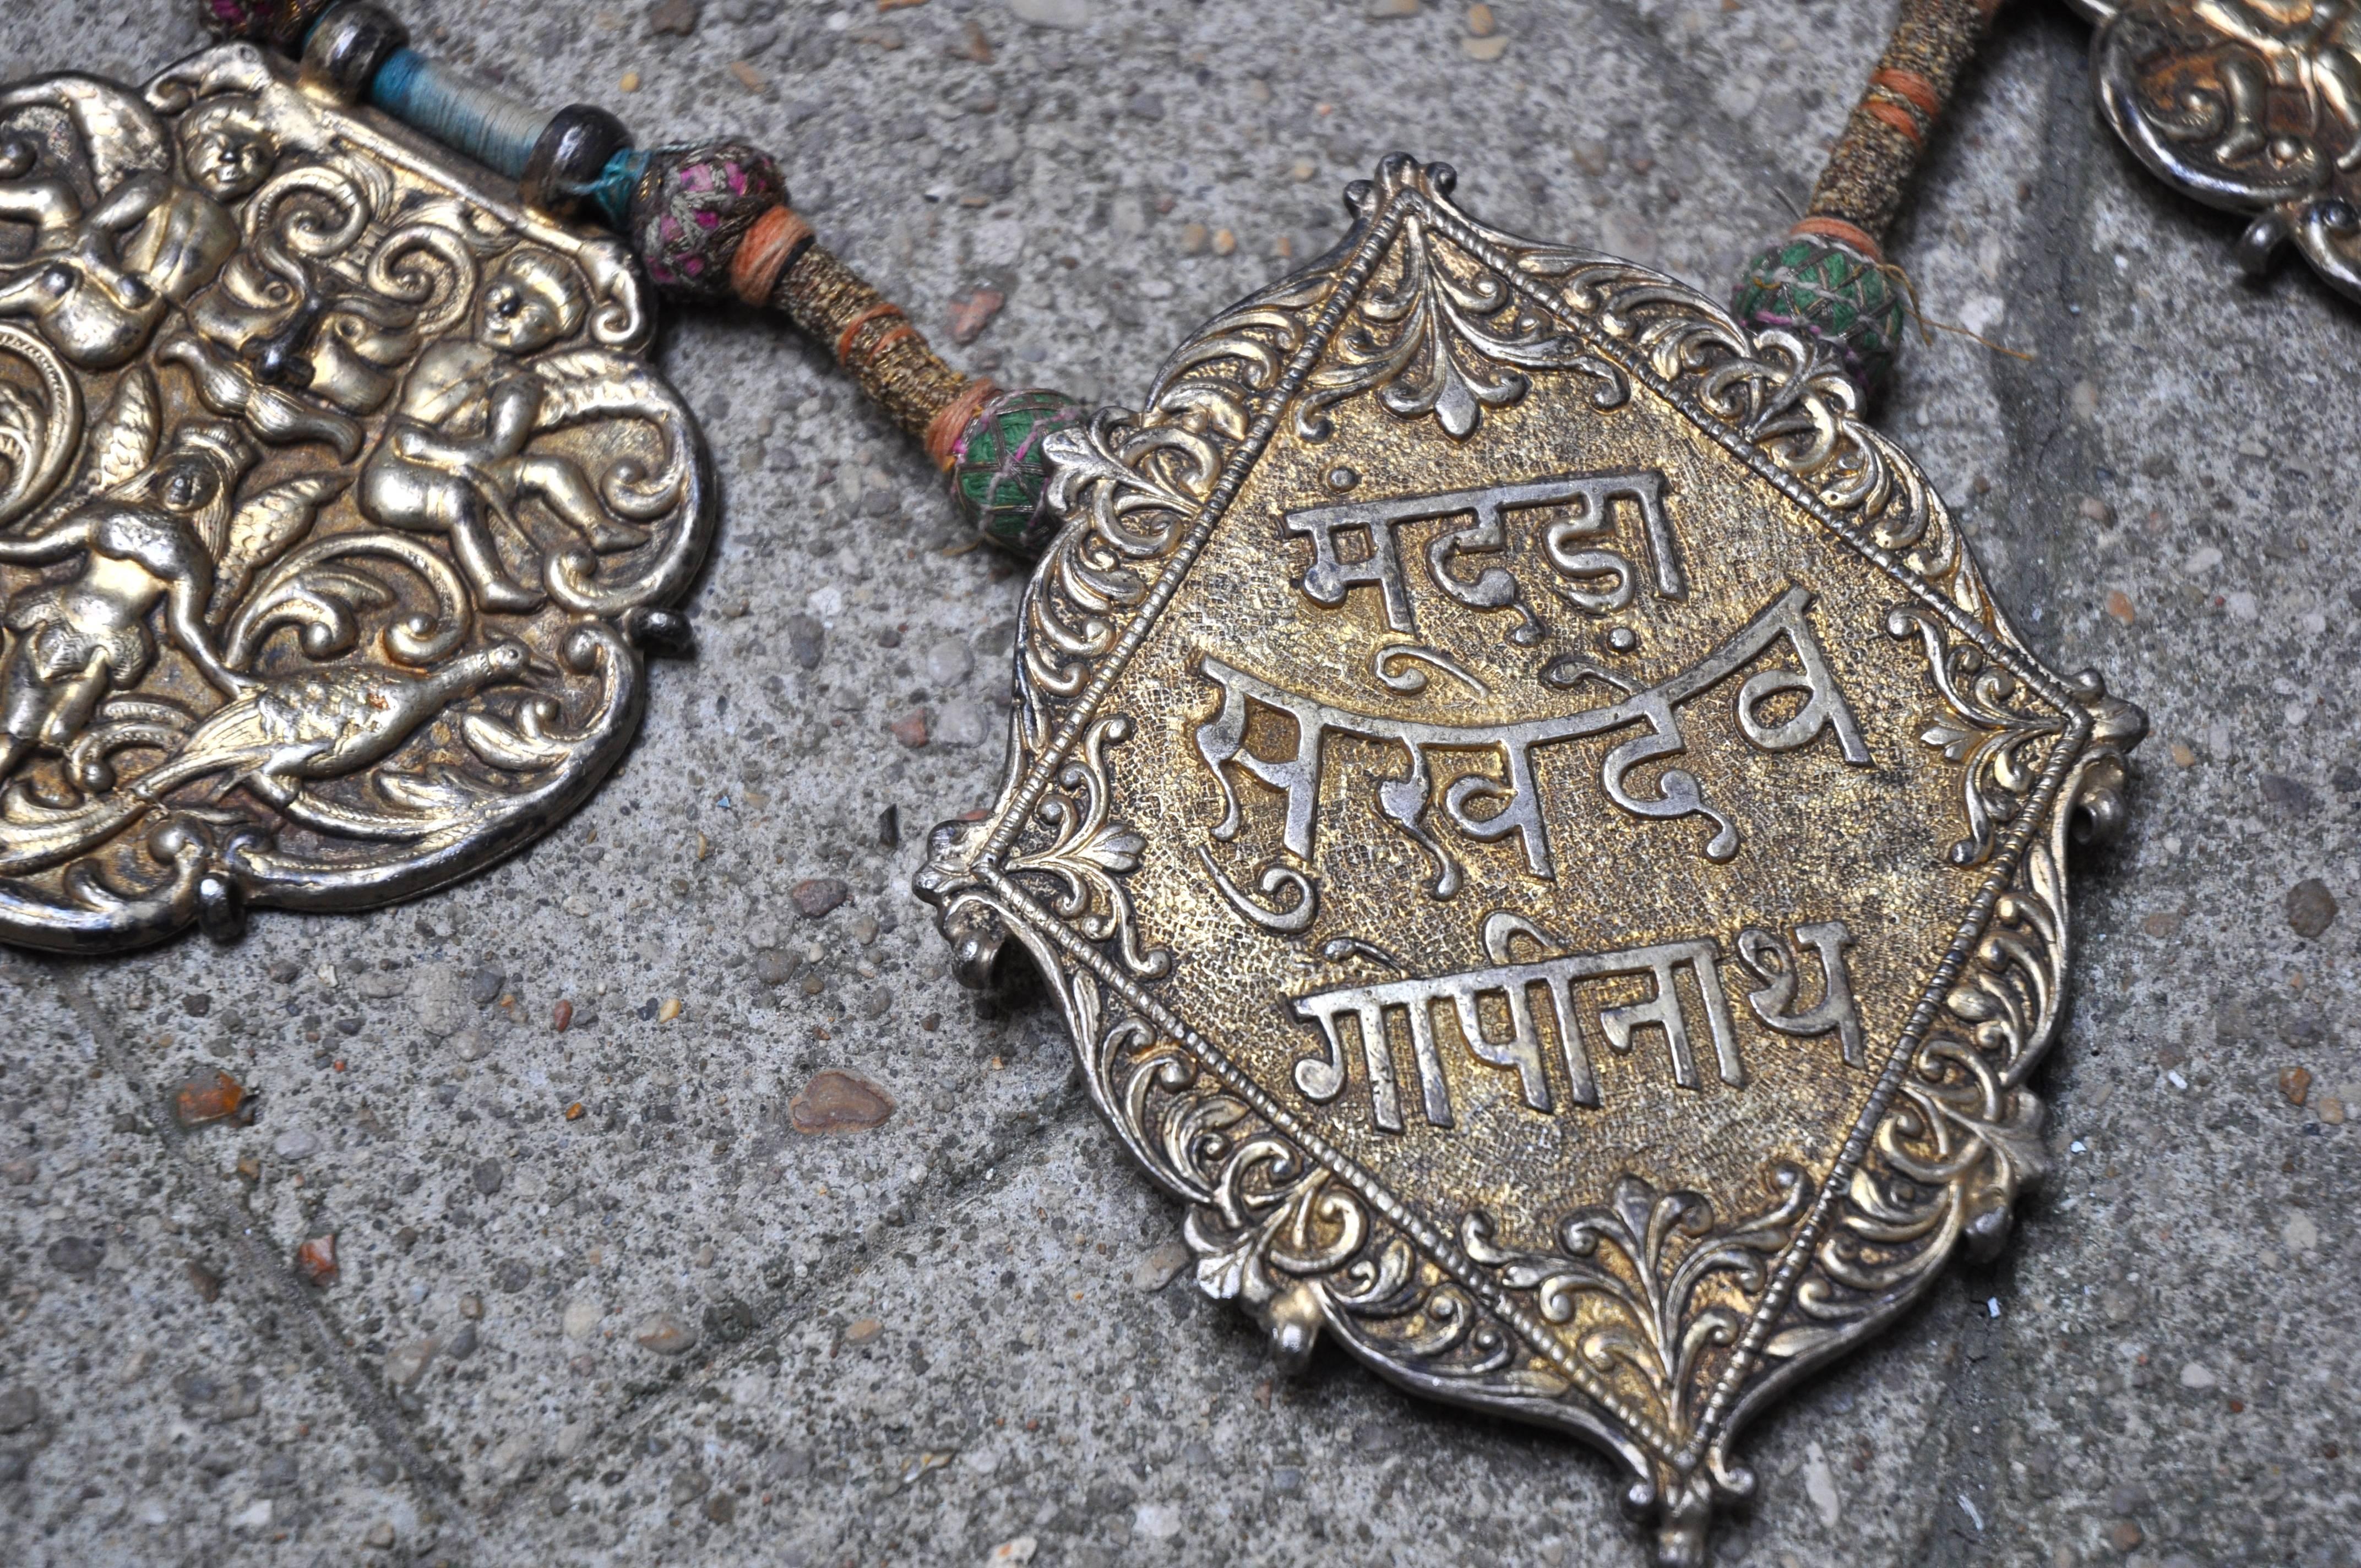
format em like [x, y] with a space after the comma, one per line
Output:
[678, 1329]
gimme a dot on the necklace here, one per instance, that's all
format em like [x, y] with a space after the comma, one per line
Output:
[1541, 836]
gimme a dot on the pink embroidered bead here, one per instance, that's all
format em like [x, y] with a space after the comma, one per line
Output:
[279, 22]
[692, 207]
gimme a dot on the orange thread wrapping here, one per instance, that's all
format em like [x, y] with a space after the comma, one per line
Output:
[898, 334]
[852, 328]
[1896, 116]
[765, 253]
[1911, 86]
[1842, 232]
[950, 421]
[837, 307]
[1870, 169]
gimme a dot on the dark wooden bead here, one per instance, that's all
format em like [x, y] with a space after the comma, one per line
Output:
[572, 151]
[343, 53]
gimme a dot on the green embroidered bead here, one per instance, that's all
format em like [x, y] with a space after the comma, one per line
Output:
[998, 473]
[1828, 292]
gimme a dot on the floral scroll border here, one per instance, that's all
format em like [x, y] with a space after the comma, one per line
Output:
[1291, 1227]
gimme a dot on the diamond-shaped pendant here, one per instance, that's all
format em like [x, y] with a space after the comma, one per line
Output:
[1541, 838]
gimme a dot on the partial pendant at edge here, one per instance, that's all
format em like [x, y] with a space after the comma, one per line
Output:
[2253, 109]
[1488, 700]
[341, 507]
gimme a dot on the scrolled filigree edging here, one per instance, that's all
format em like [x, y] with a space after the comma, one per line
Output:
[1298, 1247]
[1960, 1141]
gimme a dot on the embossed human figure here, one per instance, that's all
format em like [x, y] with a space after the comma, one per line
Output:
[31, 193]
[225, 152]
[153, 539]
[453, 456]
[78, 293]
[2310, 46]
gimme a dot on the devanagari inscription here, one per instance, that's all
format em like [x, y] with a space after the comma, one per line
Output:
[1558, 981]
[1571, 543]
[1513, 799]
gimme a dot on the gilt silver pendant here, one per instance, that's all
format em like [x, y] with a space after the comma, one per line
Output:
[1544, 841]
[2252, 106]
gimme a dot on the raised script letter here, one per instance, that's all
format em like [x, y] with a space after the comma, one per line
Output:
[1771, 962]
[1221, 740]
[1598, 493]
[1329, 579]
[1823, 708]
[1322, 1081]
[1521, 1049]
[1663, 963]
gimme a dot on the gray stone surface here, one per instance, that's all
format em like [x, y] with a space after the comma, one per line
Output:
[676, 1329]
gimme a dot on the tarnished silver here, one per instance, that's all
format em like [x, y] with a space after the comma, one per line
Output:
[337, 503]
[343, 51]
[1542, 840]
[2252, 106]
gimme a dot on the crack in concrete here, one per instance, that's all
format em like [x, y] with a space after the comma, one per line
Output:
[955, 1191]
[239, 1230]
[2047, 457]
[2049, 279]
[949, 1193]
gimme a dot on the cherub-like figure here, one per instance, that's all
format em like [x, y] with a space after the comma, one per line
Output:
[152, 539]
[79, 295]
[2312, 47]
[453, 456]
[227, 152]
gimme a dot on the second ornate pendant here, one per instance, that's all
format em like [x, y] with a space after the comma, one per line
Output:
[2251, 107]
[1541, 835]
[338, 506]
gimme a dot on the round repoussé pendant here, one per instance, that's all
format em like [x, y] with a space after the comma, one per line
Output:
[338, 506]
[1542, 840]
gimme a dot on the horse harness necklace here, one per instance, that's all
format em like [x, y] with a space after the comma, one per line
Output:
[1541, 835]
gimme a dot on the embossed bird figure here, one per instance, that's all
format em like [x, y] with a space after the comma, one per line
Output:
[325, 724]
